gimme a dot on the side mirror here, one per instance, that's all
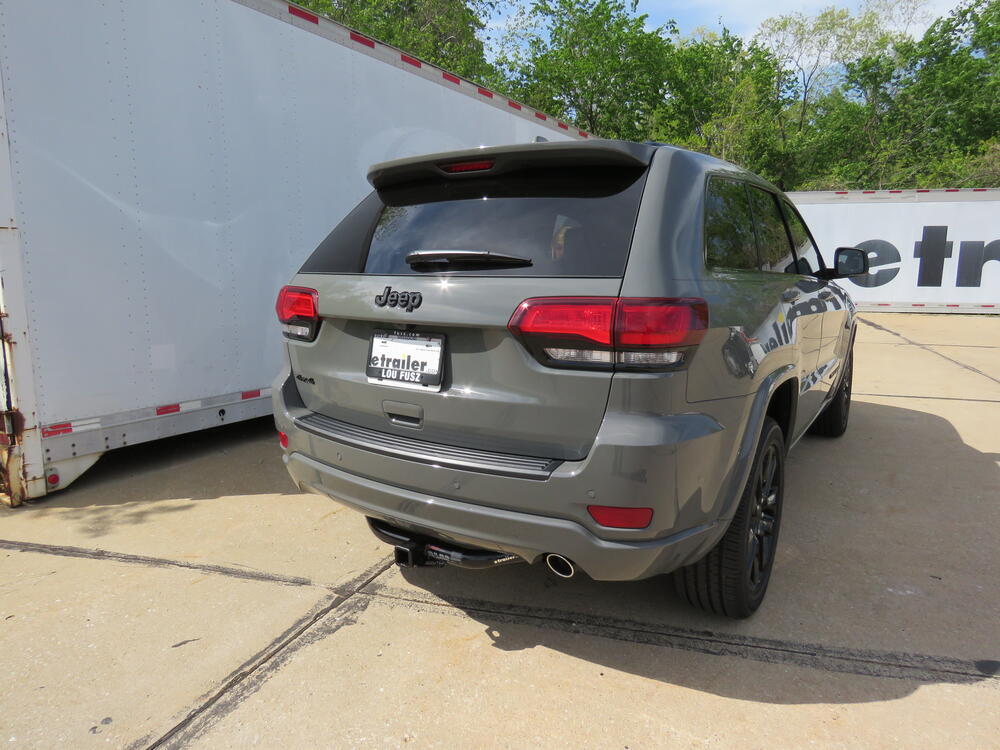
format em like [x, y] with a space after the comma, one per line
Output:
[848, 261]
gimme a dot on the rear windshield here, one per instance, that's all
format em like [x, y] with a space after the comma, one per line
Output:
[571, 223]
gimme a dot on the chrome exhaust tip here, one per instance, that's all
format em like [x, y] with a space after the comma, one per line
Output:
[560, 565]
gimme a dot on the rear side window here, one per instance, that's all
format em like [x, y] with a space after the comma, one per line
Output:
[568, 223]
[729, 238]
[343, 250]
[772, 238]
[806, 255]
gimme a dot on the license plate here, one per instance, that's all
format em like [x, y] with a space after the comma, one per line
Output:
[405, 359]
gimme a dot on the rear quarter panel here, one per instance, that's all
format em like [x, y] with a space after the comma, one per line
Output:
[742, 346]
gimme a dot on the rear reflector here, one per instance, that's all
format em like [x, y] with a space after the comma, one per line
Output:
[282, 439]
[356, 37]
[605, 332]
[468, 166]
[303, 14]
[298, 312]
[621, 518]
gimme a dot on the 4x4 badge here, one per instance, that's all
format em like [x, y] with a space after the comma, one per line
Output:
[409, 301]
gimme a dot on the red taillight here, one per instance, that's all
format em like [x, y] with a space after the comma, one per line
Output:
[587, 318]
[296, 302]
[627, 332]
[480, 165]
[660, 323]
[298, 311]
[572, 331]
[621, 518]
[282, 439]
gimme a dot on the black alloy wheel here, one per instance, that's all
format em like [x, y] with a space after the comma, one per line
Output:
[732, 578]
[832, 422]
[762, 539]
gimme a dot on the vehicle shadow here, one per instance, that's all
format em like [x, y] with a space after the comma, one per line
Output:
[138, 483]
[200, 465]
[885, 580]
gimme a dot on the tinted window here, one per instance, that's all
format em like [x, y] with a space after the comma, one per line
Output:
[729, 239]
[772, 238]
[806, 254]
[572, 223]
[343, 250]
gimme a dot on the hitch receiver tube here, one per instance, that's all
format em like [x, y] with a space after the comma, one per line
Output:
[414, 551]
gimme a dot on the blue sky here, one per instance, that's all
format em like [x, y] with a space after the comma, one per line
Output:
[744, 16]
[740, 16]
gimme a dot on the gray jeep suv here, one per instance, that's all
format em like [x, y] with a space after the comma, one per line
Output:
[593, 354]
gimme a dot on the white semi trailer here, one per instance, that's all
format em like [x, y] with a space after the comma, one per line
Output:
[929, 250]
[164, 168]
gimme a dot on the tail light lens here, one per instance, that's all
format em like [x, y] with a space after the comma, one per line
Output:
[570, 330]
[658, 332]
[298, 312]
[621, 518]
[610, 332]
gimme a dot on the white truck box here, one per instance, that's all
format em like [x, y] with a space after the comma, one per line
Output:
[164, 168]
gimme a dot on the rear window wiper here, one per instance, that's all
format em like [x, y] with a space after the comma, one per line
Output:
[466, 258]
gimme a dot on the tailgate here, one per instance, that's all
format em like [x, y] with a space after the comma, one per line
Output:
[493, 395]
[421, 348]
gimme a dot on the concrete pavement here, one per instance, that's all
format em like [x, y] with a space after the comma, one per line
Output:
[182, 594]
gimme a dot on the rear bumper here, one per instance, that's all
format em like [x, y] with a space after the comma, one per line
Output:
[687, 466]
[526, 535]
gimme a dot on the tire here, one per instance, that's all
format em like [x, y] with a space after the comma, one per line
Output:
[732, 578]
[832, 421]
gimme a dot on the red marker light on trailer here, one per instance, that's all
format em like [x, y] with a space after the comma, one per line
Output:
[52, 479]
[480, 165]
[298, 311]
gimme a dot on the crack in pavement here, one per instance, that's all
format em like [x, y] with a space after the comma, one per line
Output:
[248, 574]
[930, 398]
[248, 678]
[346, 601]
[864, 662]
[956, 346]
[926, 348]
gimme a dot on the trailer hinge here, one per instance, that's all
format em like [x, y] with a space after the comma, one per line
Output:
[6, 426]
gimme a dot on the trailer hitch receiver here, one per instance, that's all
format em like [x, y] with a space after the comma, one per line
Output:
[412, 550]
[407, 557]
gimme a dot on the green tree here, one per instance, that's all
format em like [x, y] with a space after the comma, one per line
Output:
[447, 33]
[722, 97]
[921, 113]
[948, 94]
[590, 61]
[838, 99]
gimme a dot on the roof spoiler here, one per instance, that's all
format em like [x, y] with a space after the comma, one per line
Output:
[497, 160]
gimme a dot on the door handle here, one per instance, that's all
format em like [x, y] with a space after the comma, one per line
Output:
[790, 295]
[825, 294]
[407, 415]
